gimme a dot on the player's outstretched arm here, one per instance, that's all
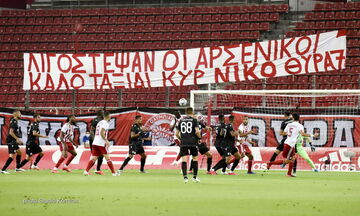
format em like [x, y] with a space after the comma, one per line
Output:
[148, 138]
[282, 133]
[308, 140]
[234, 133]
[308, 135]
[252, 142]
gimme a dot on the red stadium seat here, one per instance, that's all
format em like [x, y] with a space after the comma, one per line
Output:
[340, 15]
[318, 7]
[309, 16]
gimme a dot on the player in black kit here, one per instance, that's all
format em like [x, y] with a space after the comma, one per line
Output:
[94, 122]
[203, 149]
[188, 133]
[280, 148]
[229, 142]
[229, 147]
[219, 145]
[32, 147]
[13, 141]
[136, 144]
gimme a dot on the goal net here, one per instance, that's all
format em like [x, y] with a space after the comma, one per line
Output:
[334, 114]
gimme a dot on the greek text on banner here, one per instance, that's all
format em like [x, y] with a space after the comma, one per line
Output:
[234, 63]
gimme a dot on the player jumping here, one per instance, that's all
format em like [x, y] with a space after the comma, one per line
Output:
[188, 133]
[66, 144]
[13, 141]
[32, 147]
[101, 145]
[136, 145]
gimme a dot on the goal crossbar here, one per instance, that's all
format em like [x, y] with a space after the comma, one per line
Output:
[264, 92]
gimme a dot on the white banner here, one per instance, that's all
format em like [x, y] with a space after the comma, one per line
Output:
[235, 63]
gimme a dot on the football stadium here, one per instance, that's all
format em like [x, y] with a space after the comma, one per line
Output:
[180, 107]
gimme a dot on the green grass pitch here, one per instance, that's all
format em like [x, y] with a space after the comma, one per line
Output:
[162, 192]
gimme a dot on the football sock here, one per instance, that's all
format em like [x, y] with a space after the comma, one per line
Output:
[71, 157]
[291, 165]
[99, 162]
[38, 158]
[22, 163]
[142, 164]
[89, 165]
[209, 162]
[273, 157]
[219, 164]
[236, 162]
[59, 162]
[111, 166]
[250, 162]
[224, 168]
[295, 165]
[184, 168]
[126, 161]
[195, 165]
[18, 160]
[8, 162]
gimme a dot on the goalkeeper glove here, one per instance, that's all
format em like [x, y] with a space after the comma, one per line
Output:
[312, 147]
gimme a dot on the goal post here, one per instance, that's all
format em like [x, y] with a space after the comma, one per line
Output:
[334, 114]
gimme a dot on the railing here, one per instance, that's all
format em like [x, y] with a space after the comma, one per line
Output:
[143, 3]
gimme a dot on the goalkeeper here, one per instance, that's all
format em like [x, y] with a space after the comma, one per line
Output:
[302, 152]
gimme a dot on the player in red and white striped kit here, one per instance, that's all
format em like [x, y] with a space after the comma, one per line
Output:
[101, 145]
[67, 144]
[244, 141]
